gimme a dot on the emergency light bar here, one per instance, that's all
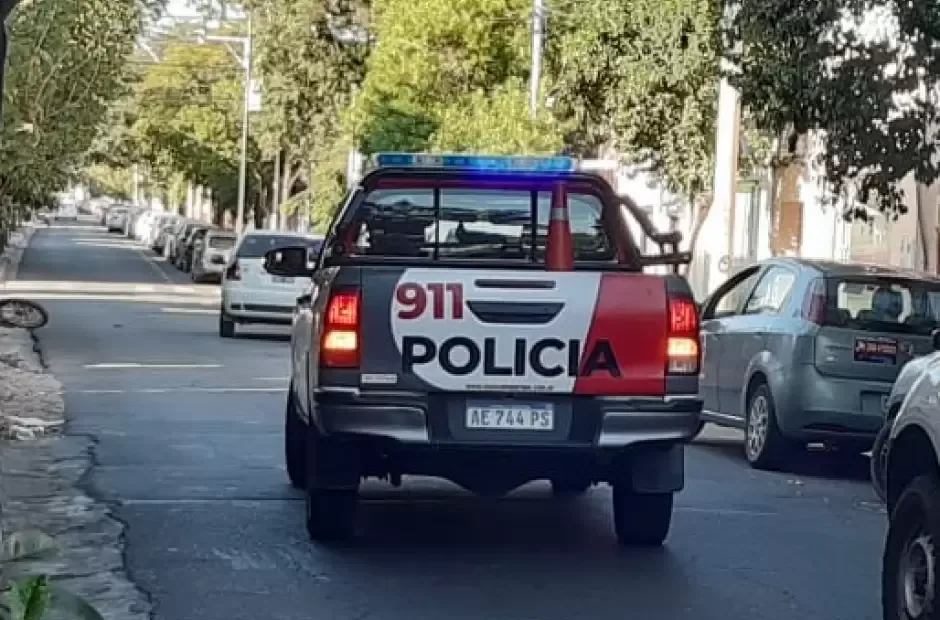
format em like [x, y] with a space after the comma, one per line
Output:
[483, 163]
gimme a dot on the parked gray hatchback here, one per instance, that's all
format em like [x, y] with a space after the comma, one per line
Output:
[798, 351]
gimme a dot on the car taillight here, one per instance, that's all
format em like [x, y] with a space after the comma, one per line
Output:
[814, 304]
[682, 345]
[340, 345]
[234, 271]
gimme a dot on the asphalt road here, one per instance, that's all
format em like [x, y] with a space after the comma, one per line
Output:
[189, 453]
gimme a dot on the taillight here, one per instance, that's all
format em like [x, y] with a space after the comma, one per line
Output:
[814, 304]
[234, 271]
[682, 346]
[340, 345]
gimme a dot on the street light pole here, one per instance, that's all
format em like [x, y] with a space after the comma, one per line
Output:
[245, 61]
[243, 163]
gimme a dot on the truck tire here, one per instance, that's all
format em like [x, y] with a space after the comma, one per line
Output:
[641, 519]
[295, 442]
[913, 539]
[226, 325]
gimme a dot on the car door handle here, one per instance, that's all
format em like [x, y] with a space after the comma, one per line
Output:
[305, 299]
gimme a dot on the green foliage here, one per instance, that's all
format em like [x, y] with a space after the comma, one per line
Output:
[640, 77]
[105, 180]
[34, 598]
[450, 75]
[311, 58]
[66, 64]
[803, 68]
[184, 122]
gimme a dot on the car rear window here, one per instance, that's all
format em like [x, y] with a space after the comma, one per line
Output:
[255, 246]
[474, 224]
[894, 305]
[221, 243]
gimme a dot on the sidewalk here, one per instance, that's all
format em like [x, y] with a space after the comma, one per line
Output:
[42, 473]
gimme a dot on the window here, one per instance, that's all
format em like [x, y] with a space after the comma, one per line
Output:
[878, 304]
[474, 224]
[732, 300]
[771, 292]
[256, 246]
[221, 243]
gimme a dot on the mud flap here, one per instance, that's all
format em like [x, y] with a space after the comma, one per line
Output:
[334, 464]
[659, 469]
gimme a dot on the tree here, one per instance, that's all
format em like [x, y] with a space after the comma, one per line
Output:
[810, 69]
[184, 123]
[311, 59]
[450, 75]
[639, 78]
[66, 64]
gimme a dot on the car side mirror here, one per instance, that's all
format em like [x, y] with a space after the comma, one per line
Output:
[289, 262]
[935, 339]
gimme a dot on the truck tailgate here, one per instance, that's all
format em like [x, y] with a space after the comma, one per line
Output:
[498, 330]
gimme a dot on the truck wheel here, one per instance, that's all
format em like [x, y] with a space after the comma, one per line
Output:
[331, 513]
[641, 519]
[295, 442]
[910, 574]
[765, 447]
[879, 462]
[226, 325]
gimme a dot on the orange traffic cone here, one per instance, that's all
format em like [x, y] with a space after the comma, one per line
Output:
[559, 251]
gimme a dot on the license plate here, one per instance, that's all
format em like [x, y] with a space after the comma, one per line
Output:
[511, 417]
[282, 280]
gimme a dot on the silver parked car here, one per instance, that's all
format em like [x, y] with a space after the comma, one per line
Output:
[910, 579]
[798, 351]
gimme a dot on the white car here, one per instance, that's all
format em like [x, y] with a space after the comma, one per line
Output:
[910, 587]
[252, 295]
[116, 219]
[142, 226]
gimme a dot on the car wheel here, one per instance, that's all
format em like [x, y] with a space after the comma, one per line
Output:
[879, 462]
[295, 442]
[765, 447]
[569, 487]
[226, 325]
[910, 571]
[641, 519]
[331, 512]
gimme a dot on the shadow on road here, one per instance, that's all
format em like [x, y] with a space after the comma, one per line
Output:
[812, 463]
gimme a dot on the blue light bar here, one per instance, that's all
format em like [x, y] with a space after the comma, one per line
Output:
[482, 163]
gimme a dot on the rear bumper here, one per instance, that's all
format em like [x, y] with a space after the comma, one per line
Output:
[596, 422]
[817, 407]
[259, 306]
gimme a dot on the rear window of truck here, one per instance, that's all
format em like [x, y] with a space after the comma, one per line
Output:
[893, 305]
[472, 223]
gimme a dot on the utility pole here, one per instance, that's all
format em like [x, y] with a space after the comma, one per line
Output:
[538, 42]
[246, 114]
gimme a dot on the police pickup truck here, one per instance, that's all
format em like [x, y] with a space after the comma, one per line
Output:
[488, 320]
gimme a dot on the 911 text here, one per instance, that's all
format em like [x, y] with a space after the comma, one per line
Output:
[412, 299]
